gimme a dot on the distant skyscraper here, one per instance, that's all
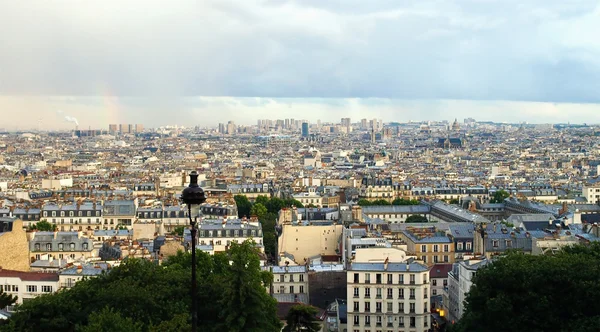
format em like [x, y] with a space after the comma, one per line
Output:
[139, 128]
[345, 122]
[113, 128]
[305, 131]
[363, 124]
[231, 128]
[221, 128]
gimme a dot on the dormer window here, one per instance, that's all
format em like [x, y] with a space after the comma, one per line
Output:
[37, 247]
[49, 246]
[45, 213]
[61, 247]
[71, 214]
[72, 245]
[62, 213]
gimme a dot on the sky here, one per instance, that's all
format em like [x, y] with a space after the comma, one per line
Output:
[157, 62]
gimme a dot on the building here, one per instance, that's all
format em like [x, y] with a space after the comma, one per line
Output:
[395, 213]
[14, 248]
[61, 245]
[460, 280]
[438, 275]
[461, 234]
[301, 241]
[70, 276]
[289, 280]
[429, 244]
[217, 235]
[592, 193]
[74, 217]
[27, 285]
[305, 130]
[118, 213]
[391, 293]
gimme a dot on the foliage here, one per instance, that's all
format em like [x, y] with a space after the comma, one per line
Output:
[402, 201]
[43, 226]
[6, 299]
[258, 210]
[142, 296]
[364, 202]
[302, 318]
[536, 293]
[499, 196]
[416, 218]
[454, 201]
[179, 230]
[243, 205]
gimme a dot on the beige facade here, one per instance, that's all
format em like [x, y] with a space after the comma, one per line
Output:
[303, 242]
[290, 280]
[390, 295]
[144, 230]
[14, 248]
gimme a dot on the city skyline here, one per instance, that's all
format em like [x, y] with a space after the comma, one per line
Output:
[59, 113]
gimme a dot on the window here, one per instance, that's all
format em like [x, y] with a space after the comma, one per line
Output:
[378, 307]
[367, 278]
[367, 320]
[425, 293]
[356, 306]
[356, 320]
[495, 243]
[445, 248]
[435, 259]
[401, 293]
[434, 291]
[412, 308]
[459, 246]
[434, 282]
[49, 246]
[378, 321]
[31, 289]
[508, 243]
[291, 289]
[425, 307]
[412, 294]
[47, 289]
[390, 293]
[389, 279]
[401, 321]
[412, 279]
[412, 322]
[15, 288]
[291, 278]
[378, 278]
[401, 279]
[401, 307]
[469, 244]
[72, 246]
[378, 293]
[367, 306]
[356, 278]
[301, 289]
[61, 247]
[281, 289]
[367, 292]
[445, 282]
[37, 246]
[355, 291]
[435, 248]
[423, 248]
[390, 321]
[446, 258]
[302, 278]
[390, 308]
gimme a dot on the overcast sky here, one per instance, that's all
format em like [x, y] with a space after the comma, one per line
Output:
[533, 60]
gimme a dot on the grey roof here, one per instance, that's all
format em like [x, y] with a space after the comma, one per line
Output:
[430, 239]
[517, 218]
[113, 232]
[290, 269]
[461, 231]
[86, 270]
[393, 267]
[396, 209]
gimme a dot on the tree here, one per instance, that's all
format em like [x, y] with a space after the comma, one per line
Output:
[246, 305]
[500, 196]
[275, 204]
[520, 292]
[43, 226]
[364, 202]
[6, 299]
[243, 205]
[262, 199]
[380, 202]
[454, 201]
[179, 230]
[258, 210]
[139, 295]
[402, 201]
[302, 318]
[416, 218]
[290, 202]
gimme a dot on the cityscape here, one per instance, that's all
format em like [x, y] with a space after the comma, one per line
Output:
[300, 166]
[415, 209]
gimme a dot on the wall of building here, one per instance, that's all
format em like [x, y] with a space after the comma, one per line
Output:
[305, 241]
[325, 287]
[14, 249]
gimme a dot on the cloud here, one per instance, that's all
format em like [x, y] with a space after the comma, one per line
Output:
[540, 50]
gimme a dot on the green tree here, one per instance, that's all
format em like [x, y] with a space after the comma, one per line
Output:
[302, 318]
[275, 204]
[520, 292]
[499, 196]
[416, 218]
[6, 299]
[290, 202]
[364, 202]
[454, 201]
[43, 226]
[380, 202]
[243, 205]
[402, 201]
[179, 230]
[109, 320]
[246, 305]
[262, 199]
[259, 210]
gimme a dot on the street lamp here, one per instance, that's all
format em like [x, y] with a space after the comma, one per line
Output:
[193, 196]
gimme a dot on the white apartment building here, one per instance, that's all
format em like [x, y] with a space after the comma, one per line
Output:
[290, 280]
[592, 193]
[309, 197]
[217, 235]
[459, 285]
[390, 293]
[27, 285]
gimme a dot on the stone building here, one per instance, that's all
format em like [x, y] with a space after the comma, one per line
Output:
[13, 245]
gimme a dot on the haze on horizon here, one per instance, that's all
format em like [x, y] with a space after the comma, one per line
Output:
[146, 61]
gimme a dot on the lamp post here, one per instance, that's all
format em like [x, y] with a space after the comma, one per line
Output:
[193, 196]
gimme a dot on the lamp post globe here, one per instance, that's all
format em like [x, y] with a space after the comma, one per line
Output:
[193, 196]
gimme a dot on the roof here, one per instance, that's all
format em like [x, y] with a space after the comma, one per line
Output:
[440, 270]
[395, 209]
[29, 276]
[391, 267]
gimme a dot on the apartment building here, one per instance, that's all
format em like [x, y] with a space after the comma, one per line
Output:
[390, 294]
[460, 280]
[27, 285]
[395, 213]
[301, 241]
[61, 245]
[289, 279]
[428, 244]
[592, 193]
[73, 217]
[119, 213]
[217, 235]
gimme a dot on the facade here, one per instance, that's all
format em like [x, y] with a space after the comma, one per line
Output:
[27, 285]
[74, 217]
[13, 245]
[390, 295]
[290, 280]
[217, 235]
[118, 213]
[461, 235]
[438, 275]
[61, 245]
[429, 244]
[592, 193]
[303, 241]
[459, 283]
[395, 213]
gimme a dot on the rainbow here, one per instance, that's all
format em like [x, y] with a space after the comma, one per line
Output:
[111, 105]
